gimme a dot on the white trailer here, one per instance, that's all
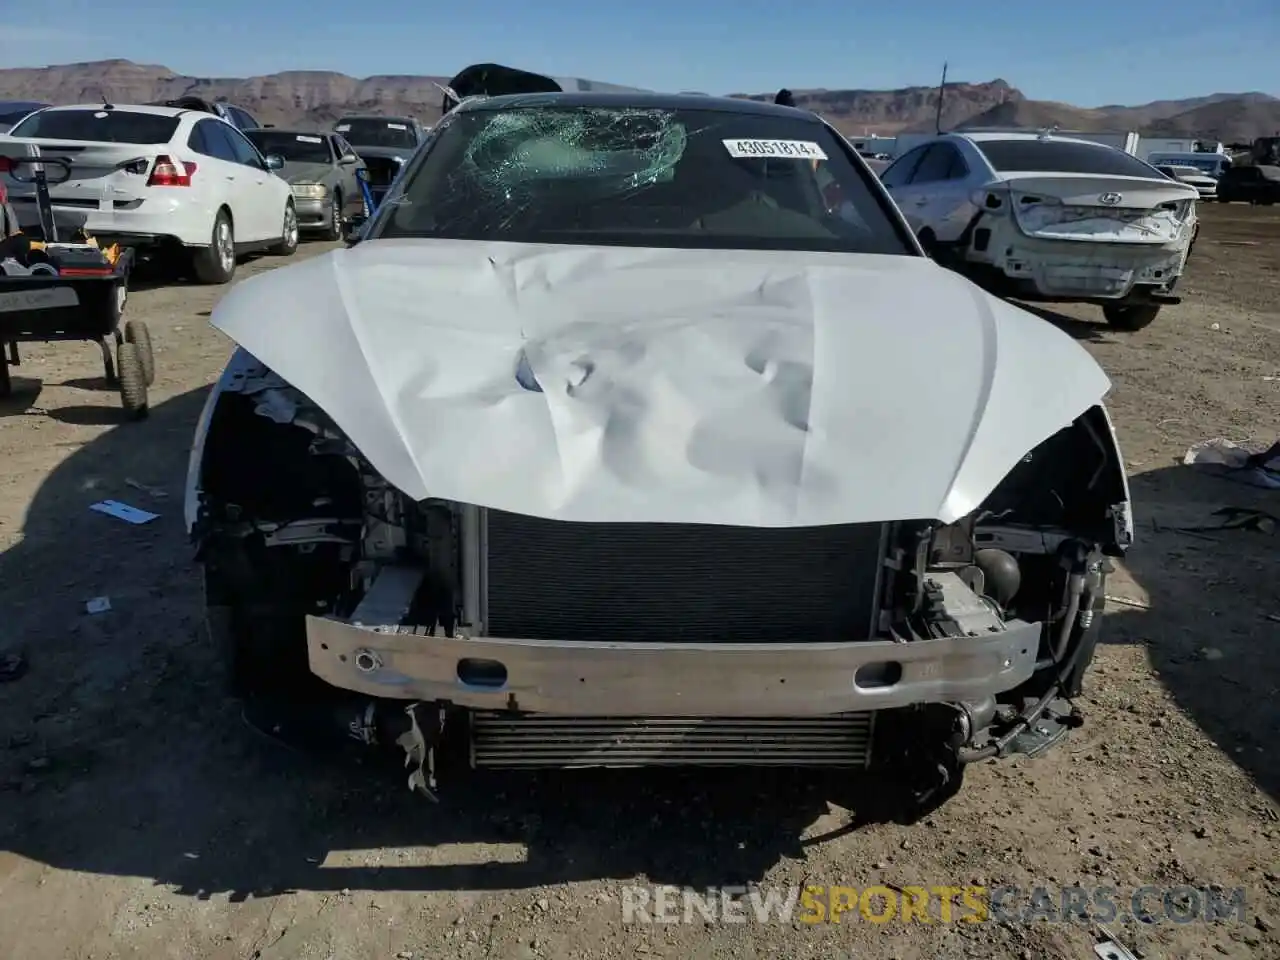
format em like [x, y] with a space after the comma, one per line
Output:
[1174, 145]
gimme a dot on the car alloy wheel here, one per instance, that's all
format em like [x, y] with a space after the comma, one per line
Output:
[226, 246]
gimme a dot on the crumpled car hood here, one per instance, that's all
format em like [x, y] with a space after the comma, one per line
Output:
[765, 389]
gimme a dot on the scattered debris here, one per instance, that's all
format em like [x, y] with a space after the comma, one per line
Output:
[122, 511]
[1109, 946]
[1126, 602]
[98, 605]
[1236, 461]
[13, 666]
[153, 492]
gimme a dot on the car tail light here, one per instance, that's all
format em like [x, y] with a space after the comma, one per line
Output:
[6, 164]
[171, 173]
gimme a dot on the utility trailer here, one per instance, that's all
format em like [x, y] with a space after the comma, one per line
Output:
[52, 290]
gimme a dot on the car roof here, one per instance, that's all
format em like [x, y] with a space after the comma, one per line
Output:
[638, 101]
[374, 116]
[991, 135]
[294, 131]
[125, 107]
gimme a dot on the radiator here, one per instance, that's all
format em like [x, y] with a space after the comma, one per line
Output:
[679, 583]
[537, 741]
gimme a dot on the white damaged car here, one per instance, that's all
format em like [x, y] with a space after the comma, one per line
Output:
[638, 430]
[1050, 219]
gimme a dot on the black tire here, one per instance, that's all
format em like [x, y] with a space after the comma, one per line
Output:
[216, 263]
[334, 232]
[139, 334]
[288, 244]
[133, 380]
[1130, 316]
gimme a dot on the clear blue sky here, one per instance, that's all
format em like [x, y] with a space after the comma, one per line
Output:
[1087, 52]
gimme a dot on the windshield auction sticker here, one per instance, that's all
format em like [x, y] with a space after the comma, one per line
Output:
[788, 149]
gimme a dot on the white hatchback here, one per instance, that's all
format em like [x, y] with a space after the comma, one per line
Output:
[158, 177]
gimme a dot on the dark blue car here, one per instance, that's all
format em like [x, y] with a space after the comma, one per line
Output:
[11, 111]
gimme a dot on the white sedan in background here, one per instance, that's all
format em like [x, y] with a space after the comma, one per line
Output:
[1206, 185]
[1050, 219]
[159, 178]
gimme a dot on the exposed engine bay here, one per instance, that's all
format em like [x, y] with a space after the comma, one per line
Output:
[897, 646]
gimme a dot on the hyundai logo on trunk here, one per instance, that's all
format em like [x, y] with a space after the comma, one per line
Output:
[1110, 199]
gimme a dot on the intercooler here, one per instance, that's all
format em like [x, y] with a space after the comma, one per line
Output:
[680, 583]
[511, 741]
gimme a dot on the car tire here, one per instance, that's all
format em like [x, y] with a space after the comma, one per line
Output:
[334, 232]
[139, 334]
[216, 263]
[288, 244]
[133, 381]
[1130, 316]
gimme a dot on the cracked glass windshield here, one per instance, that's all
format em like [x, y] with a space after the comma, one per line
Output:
[642, 177]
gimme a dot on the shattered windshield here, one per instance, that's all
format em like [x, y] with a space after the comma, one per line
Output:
[376, 132]
[642, 177]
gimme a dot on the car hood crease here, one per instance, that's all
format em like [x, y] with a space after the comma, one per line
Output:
[749, 388]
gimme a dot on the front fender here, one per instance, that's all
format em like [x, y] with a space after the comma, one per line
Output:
[231, 380]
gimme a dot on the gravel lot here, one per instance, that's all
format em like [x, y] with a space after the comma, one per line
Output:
[139, 818]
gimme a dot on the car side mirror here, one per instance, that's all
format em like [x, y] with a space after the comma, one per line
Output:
[352, 227]
[274, 161]
[350, 160]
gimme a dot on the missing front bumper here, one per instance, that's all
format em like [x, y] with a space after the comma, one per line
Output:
[628, 680]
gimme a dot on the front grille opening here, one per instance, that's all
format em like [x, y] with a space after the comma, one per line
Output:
[680, 583]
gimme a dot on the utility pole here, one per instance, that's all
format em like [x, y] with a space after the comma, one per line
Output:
[942, 89]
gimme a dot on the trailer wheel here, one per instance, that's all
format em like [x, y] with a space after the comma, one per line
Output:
[139, 334]
[133, 380]
[107, 345]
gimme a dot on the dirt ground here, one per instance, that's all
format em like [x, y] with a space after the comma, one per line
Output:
[140, 818]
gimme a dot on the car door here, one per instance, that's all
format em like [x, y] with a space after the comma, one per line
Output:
[265, 190]
[228, 183]
[940, 187]
[897, 179]
[348, 163]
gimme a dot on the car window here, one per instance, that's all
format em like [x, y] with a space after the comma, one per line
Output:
[245, 151]
[210, 138]
[376, 132]
[293, 147]
[1058, 156]
[899, 172]
[343, 148]
[938, 163]
[244, 120]
[103, 126]
[623, 176]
